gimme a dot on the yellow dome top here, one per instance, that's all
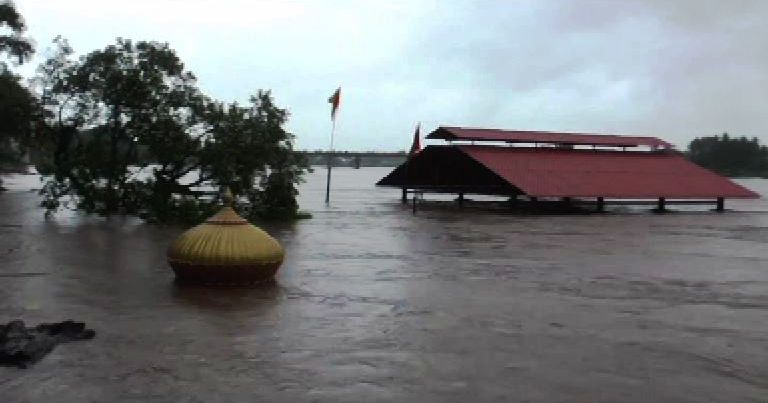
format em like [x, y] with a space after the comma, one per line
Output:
[225, 249]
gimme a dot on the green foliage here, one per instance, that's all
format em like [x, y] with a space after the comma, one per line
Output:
[127, 128]
[18, 107]
[102, 109]
[14, 44]
[247, 149]
[18, 112]
[731, 156]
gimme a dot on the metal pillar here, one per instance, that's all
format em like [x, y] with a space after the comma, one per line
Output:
[661, 206]
[404, 198]
[328, 176]
[414, 202]
[461, 199]
[720, 204]
[600, 205]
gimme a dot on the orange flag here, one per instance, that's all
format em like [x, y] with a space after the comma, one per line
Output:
[335, 100]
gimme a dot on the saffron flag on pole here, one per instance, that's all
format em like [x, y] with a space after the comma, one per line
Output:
[335, 100]
[416, 146]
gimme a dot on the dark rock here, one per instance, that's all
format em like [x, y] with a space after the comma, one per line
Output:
[21, 346]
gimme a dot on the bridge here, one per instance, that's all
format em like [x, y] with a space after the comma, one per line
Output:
[356, 159]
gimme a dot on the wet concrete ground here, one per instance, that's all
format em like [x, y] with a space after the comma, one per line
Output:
[374, 304]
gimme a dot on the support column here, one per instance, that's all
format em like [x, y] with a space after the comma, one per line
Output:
[512, 201]
[461, 199]
[414, 202]
[404, 198]
[600, 204]
[661, 206]
[720, 204]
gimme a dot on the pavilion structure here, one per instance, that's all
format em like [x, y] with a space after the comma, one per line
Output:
[564, 167]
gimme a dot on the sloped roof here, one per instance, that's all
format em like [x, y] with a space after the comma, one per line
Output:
[528, 136]
[550, 172]
[553, 172]
[447, 169]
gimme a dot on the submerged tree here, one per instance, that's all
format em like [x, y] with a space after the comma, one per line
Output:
[247, 148]
[18, 107]
[103, 109]
[18, 113]
[128, 128]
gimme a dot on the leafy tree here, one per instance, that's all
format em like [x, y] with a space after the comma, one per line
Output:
[14, 44]
[103, 109]
[18, 111]
[18, 107]
[57, 96]
[248, 149]
[732, 156]
[128, 128]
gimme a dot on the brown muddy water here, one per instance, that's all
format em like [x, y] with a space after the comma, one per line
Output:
[375, 304]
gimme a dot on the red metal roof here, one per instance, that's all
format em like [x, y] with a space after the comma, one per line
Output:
[550, 172]
[527, 136]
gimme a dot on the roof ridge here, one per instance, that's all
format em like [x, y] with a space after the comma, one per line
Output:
[540, 136]
[547, 132]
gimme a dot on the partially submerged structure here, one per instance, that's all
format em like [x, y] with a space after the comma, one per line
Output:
[561, 166]
[225, 250]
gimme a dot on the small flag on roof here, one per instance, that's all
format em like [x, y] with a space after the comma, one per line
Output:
[335, 100]
[416, 146]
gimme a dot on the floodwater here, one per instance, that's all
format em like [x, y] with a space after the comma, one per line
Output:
[376, 304]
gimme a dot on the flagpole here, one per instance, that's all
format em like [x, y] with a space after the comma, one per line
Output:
[330, 159]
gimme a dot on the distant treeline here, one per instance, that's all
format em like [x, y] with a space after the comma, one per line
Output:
[731, 156]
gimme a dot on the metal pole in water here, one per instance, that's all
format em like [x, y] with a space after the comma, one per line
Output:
[330, 158]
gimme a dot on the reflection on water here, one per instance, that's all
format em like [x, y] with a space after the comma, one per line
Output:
[229, 298]
[373, 302]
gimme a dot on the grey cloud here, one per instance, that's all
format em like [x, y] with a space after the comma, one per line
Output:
[675, 69]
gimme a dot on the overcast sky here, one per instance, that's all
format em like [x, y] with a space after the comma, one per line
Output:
[672, 69]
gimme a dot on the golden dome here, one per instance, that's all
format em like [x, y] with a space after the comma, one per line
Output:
[225, 249]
